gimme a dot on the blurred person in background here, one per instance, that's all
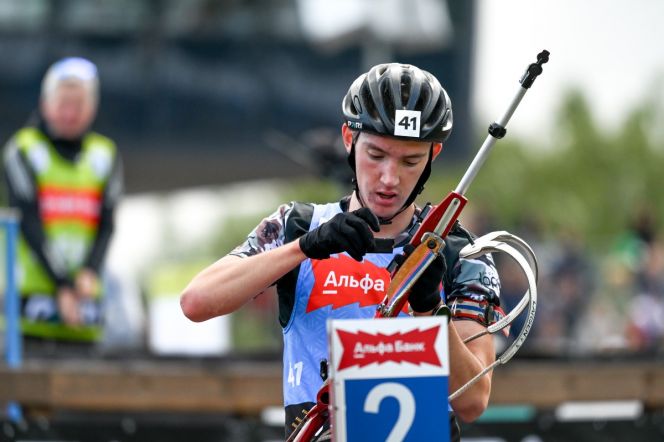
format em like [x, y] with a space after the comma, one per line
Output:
[643, 249]
[396, 118]
[66, 181]
[570, 281]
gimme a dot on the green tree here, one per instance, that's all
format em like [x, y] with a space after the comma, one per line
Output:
[585, 178]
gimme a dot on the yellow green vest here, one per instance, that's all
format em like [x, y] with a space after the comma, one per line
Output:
[69, 196]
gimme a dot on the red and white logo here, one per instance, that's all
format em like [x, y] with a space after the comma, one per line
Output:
[341, 281]
[415, 347]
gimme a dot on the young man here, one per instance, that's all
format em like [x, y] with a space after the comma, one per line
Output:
[66, 181]
[396, 119]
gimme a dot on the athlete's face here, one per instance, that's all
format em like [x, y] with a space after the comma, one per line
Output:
[387, 169]
[69, 110]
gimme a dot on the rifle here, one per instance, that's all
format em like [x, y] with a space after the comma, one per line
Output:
[429, 241]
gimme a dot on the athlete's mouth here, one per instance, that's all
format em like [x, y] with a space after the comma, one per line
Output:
[386, 196]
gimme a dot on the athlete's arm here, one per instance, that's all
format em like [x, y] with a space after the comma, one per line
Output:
[232, 281]
[467, 360]
[263, 259]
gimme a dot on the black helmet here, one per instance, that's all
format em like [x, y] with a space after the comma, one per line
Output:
[399, 100]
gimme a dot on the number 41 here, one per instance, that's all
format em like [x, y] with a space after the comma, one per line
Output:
[406, 122]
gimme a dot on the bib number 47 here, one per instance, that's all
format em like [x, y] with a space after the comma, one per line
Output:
[295, 374]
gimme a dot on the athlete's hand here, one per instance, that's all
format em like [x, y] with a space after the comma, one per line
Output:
[345, 232]
[425, 293]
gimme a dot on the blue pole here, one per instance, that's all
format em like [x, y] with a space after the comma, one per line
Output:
[14, 352]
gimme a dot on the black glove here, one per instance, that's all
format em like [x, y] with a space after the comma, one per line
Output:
[425, 293]
[345, 232]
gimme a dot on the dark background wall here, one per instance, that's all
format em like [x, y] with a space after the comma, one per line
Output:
[194, 91]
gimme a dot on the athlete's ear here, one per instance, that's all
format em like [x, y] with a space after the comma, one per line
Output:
[347, 136]
[437, 148]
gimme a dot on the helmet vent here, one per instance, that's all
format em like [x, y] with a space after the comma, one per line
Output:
[423, 99]
[388, 98]
[405, 90]
[369, 106]
[357, 105]
[438, 110]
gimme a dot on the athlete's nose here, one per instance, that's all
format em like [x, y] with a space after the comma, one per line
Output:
[389, 176]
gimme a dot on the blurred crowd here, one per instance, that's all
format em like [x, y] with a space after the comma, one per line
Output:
[594, 303]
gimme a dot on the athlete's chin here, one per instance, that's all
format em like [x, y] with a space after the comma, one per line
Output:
[385, 211]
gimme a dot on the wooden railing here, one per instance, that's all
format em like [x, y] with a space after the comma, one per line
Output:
[248, 387]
